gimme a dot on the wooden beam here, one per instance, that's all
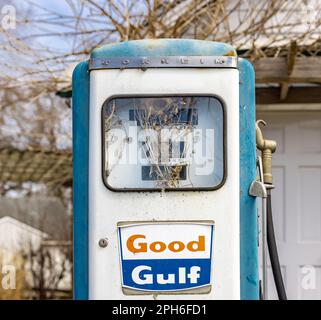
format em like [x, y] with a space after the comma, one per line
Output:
[291, 58]
[295, 95]
[284, 86]
[284, 90]
[275, 70]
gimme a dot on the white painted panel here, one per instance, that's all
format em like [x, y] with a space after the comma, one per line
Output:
[310, 136]
[107, 208]
[278, 204]
[310, 204]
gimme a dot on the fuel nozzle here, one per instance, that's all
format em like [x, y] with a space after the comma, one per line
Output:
[267, 147]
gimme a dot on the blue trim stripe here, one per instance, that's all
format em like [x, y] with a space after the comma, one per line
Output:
[120, 243]
[248, 213]
[212, 232]
[80, 117]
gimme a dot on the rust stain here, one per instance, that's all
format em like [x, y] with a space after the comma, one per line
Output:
[153, 43]
[230, 53]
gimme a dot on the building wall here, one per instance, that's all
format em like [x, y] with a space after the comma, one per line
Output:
[297, 199]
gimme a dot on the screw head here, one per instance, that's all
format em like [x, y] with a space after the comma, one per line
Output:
[103, 243]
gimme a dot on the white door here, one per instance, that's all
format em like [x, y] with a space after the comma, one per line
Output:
[297, 200]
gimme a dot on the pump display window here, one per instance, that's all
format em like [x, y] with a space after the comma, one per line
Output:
[163, 143]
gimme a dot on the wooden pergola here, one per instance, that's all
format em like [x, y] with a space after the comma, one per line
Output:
[53, 168]
[303, 72]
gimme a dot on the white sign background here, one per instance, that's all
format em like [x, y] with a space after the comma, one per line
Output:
[166, 232]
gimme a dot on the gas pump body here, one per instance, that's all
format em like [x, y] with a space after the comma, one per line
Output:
[197, 241]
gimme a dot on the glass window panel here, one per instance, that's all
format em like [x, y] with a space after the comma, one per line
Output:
[165, 142]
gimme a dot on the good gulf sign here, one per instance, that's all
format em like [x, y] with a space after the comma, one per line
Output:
[166, 256]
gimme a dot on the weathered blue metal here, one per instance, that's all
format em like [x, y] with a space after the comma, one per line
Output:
[80, 119]
[248, 213]
[166, 47]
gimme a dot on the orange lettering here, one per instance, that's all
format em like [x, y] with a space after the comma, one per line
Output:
[162, 246]
[180, 244]
[142, 247]
[200, 244]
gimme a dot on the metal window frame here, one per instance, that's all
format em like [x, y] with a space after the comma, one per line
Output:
[216, 187]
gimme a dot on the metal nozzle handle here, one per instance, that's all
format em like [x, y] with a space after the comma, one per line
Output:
[267, 147]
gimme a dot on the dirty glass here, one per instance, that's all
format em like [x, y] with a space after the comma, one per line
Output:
[160, 143]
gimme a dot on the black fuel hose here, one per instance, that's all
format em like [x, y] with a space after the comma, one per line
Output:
[273, 252]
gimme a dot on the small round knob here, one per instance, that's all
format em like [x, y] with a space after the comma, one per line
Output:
[103, 243]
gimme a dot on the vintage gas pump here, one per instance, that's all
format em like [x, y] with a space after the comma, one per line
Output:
[164, 158]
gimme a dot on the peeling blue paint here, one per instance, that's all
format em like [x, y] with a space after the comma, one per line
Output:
[248, 213]
[166, 47]
[251, 280]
